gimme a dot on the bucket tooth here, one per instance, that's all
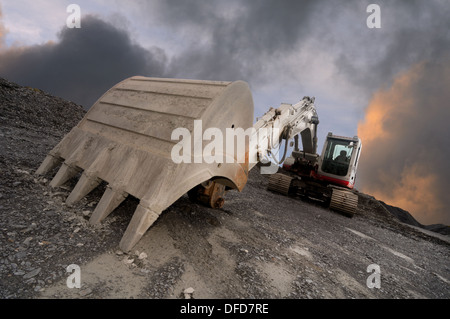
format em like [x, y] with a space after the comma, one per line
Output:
[84, 186]
[65, 173]
[89, 179]
[50, 162]
[142, 219]
[109, 201]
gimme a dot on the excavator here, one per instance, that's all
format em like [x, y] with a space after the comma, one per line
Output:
[127, 140]
[328, 178]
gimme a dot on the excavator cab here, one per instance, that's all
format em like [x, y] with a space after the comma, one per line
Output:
[339, 160]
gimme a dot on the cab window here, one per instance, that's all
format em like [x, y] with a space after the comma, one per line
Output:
[337, 157]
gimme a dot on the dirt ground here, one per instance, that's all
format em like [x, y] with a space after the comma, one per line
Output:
[259, 245]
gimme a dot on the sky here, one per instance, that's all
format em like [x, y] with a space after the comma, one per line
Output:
[387, 85]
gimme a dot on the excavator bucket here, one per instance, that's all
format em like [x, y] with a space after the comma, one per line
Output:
[126, 139]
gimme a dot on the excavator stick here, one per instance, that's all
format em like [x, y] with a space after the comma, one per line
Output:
[125, 139]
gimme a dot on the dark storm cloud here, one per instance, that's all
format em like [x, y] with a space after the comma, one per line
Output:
[83, 64]
[242, 36]
[412, 31]
[249, 40]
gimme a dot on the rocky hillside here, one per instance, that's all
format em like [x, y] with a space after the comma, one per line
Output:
[26, 106]
[259, 245]
[405, 217]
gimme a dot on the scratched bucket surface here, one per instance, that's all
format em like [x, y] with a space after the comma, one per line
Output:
[125, 139]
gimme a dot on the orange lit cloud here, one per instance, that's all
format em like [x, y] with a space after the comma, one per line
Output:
[405, 159]
[415, 191]
[386, 106]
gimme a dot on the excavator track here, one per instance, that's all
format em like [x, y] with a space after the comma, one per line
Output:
[344, 201]
[280, 183]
